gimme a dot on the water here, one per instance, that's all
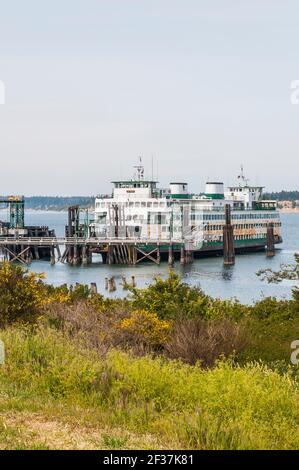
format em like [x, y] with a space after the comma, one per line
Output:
[239, 281]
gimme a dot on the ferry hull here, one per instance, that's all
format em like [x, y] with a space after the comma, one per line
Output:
[209, 249]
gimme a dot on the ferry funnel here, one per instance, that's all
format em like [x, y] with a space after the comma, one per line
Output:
[214, 190]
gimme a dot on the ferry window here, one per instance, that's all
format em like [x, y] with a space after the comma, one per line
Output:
[137, 204]
[143, 204]
[155, 204]
[149, 204]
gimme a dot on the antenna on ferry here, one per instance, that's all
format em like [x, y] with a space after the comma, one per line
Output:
[140, 169]
[242, 176]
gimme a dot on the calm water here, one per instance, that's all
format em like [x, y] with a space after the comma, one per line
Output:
[239, 281]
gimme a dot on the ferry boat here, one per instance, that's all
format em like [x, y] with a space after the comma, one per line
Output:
[139, 210]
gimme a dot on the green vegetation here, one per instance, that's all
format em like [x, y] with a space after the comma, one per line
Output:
[167, 367]
[283, 196]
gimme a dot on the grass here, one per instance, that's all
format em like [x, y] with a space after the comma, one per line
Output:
[56, 394]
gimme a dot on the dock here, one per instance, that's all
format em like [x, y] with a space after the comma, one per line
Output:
[79, 250]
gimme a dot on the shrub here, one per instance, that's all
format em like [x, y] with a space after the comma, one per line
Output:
[172, 297]
[196, 339]
[137, 330]
[145, 328]
[81, 321]
[273, 309]
[22, 294]
[167, 297]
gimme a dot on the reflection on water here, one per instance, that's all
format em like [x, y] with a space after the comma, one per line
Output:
[227, 273]
[238, 281]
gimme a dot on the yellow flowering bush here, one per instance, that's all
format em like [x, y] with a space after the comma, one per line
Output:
[60, 295]
[22, 294]
[146, 327]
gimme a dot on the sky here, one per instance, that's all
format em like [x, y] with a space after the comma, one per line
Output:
[198, 86]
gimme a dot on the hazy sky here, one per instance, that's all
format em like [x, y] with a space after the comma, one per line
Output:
[203, 86]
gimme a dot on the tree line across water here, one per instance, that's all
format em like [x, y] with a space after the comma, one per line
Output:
[283, 196]
[63, 202]
[57, 202]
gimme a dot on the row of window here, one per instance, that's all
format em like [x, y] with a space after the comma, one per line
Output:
[245, 237]
[137, 204]
[242, 226]
[200, 211]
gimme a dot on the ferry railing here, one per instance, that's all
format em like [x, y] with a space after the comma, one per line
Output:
[47, 241]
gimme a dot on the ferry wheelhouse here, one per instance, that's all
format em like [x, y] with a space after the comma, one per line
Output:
[139, 210]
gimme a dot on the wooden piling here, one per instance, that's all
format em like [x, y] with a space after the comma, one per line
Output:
[84, 255]
[111, 284]
[228, 239]
[36, 250]
[134, 255]
[58, 252]
[110, 254]
[65, 255]
[183, 259]
[52, 260]
[170, 255]
[270, 248]
[75, 257]
[93, 288]
[158, 255]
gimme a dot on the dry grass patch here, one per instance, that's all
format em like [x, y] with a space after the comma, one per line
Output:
[37, 431]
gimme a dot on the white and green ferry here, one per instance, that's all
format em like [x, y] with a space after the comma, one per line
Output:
[140, 211]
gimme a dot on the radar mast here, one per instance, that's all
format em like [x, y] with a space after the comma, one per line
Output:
[139, 170]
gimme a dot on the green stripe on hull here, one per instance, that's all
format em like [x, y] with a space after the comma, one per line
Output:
[206, 245]
[250, 241]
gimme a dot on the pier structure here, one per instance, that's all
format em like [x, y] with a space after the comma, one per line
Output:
[78, 253]
[113, 250]
[14, 232]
